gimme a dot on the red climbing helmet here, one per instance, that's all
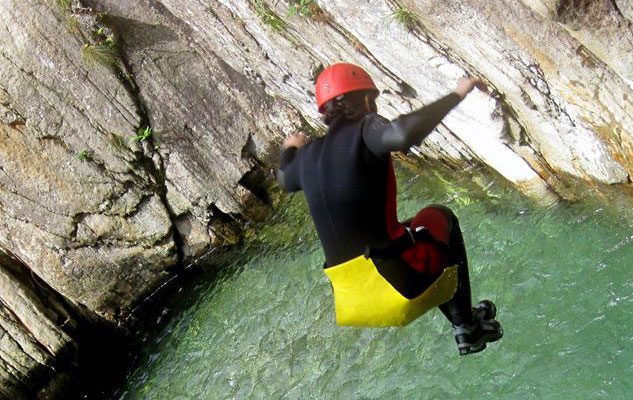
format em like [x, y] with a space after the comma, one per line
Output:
[341, 78]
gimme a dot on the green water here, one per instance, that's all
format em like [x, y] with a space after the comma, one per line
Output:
[264, 327]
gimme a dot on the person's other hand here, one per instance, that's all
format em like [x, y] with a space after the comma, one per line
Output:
[294, 140]
[466, 84]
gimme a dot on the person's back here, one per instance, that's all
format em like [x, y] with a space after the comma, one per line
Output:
[348, 180]
[344, 184]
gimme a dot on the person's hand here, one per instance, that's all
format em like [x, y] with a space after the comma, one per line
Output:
[294, 140]
[466, 84]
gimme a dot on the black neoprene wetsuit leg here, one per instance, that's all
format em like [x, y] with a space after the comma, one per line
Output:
[458, 310]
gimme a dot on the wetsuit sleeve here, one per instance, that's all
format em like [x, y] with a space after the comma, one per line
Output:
[288, 172]
[383, 136]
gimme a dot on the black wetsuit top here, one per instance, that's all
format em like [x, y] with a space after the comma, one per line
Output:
[347, 177]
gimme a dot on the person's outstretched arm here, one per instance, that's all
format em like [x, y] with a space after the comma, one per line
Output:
[288, 171]
[383, 136]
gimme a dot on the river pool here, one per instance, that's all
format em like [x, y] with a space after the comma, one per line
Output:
[263, 327]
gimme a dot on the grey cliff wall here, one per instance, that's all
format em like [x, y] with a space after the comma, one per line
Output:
[92, 219]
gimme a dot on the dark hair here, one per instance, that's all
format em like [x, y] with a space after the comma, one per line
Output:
[351, 106]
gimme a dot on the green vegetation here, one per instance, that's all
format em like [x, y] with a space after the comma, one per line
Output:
[118, 142]
[105, 54]
[101, 48]
[309, 9]
[64, 5]
[73, 25]
[406, 17]
[83, 155]
[143, 134]
[303, 8]
[268, 16]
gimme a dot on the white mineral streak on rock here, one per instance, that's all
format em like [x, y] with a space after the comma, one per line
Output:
[286, 61]
[485, 137]
[537, 71]
[432, 75]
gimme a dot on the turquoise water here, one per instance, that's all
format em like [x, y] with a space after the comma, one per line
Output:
[263, 328]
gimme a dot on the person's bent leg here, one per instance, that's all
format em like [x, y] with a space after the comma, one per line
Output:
[460, 306]
[471, 332]
[444, 227]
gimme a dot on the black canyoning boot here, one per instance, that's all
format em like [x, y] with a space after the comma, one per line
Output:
[485, 310]
[485, 329]
[473, 338]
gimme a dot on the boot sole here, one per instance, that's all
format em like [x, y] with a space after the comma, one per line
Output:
[481, 345]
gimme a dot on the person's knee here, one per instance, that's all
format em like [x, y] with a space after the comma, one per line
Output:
[438, 219]
[451, 218]
[450, 215]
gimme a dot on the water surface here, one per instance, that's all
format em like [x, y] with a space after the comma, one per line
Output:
[263, 328]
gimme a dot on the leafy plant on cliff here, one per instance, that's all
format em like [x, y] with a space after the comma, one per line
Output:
[405, 16]
[143, 134]
[309, 9]
[268, 16]
[83, 155]
[300, 7]
[101, 48]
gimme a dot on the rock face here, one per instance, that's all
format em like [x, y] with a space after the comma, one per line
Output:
[134, 136]
[36, 354]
